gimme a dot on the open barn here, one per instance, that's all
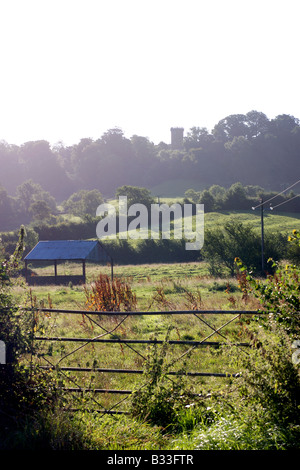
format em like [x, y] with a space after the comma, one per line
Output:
[57, 252]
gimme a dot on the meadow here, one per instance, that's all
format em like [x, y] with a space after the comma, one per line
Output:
[274, 221]
[214, 414]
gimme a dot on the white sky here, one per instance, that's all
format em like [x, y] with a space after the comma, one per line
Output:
[75, 68]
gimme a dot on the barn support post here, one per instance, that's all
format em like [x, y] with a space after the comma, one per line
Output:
[262, 238]
[112, 269]
[55, 269]
[26, 271]
[83, 269]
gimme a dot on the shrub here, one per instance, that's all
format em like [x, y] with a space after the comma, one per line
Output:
[279, 293]
[108, 295]
[165, 400]
[221, 247]
[271, 378]
[22, 390]
[157, 401]
[15, 326]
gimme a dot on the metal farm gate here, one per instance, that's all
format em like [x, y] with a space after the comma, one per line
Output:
[98, 377]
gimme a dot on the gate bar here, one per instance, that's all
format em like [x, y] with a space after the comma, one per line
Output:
[167, 312]
[135, 371]
[134, 341]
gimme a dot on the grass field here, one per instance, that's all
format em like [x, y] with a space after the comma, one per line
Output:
[158, 287]
[274, 222]
[217, 419]
[175, 279]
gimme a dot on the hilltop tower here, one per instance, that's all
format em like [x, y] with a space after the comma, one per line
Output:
[177, 138]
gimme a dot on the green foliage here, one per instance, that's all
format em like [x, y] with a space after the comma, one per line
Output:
[24, 392]
[53, 430]
[83, 203]
[165, 400]
[158, 400]
[135, 195]
[279, 293]
[21, 389]
[29, 193]
[15, 326]
[40, 210]
[269, 377]
[240, 147]
[246, 430]
[222, 246]
[9, 241]
[236, 197]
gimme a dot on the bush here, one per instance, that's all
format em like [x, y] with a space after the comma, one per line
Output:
[108, 295]
[221, 247]
[15, 326]
[279, 293]
[272, 379]
[23, 391]
[161, 400]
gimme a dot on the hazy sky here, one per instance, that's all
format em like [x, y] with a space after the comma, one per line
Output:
[75, 68]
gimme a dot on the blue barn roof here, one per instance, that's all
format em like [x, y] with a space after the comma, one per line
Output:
[88, 250]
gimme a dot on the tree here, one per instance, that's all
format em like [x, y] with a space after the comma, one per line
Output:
[40, 210]
[208, 200]
[257, 124]
[40, 164]
[222, 246]
[116, 143]
[197, 137]
[29, 193]
[192, 195]
[135, 195]
[239, 146]
[236, 197]
[24, 391]
[142, 147]
[83, 202]
[283, 125]
[230, 127]
[12, 173]
[218, 193]
[7, 210]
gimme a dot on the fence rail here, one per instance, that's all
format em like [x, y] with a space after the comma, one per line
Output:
[140, 371]
[127, 342]
[133, 341]
[139, 313]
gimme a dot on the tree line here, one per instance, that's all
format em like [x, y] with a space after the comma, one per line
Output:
[250, 148]
[34, 206]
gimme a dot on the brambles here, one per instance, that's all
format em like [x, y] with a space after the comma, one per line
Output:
[279, 293]
[271, 379]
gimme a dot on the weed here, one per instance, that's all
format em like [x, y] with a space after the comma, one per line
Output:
[161, 400]
[160, 299]
[109, 295]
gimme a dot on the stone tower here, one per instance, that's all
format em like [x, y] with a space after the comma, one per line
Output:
[177, 138]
